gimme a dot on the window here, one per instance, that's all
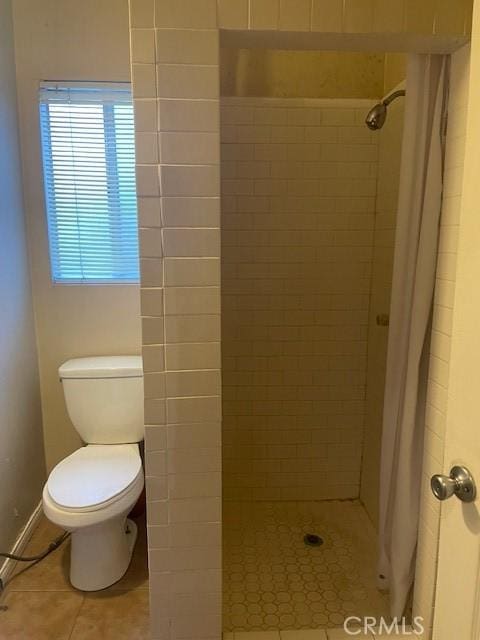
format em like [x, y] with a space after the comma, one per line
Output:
[88, 153]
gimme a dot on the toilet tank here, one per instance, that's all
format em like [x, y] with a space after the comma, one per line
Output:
[104, 398]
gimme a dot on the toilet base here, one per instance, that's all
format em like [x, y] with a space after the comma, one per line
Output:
[101, 554]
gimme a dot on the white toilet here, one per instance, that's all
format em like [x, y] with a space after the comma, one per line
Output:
[90, 492]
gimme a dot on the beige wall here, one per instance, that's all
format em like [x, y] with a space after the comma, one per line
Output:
[22, 466]
[437, 394]
[298, 201]
[301, 74]
[389, 157]
[71, 40]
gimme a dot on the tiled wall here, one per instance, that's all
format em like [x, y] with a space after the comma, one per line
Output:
[349, 16]
[175, 84]
[298, 199]
[389, 157]
[437, 397]
[175, 59]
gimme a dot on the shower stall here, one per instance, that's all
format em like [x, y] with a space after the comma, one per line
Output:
[308, 214]
[306, 236]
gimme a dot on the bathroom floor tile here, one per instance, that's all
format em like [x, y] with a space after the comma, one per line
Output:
[257, 635]
[42, 604]
[306, 634]
[274, 581]
[39, 615]
[341, 634]
[52, 573]
[106, 615]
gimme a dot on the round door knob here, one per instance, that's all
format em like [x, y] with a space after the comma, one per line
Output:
[460, 482]
[443, 487]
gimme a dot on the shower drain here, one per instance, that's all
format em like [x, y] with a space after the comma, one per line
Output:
[312, 540]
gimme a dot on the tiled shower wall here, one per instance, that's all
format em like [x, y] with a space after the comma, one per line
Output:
[175, 84]
[389, 158]
[298, 201]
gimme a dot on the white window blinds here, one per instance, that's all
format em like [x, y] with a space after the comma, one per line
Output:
[88, 153]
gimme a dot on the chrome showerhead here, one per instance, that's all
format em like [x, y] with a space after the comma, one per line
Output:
[378, 114]
[376, 117]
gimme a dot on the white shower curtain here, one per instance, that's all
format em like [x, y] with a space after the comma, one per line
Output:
[410, 314]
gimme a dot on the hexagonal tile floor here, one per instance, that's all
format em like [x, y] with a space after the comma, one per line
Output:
[274, 581]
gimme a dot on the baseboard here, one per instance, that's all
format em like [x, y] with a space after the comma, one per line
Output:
[21, 542]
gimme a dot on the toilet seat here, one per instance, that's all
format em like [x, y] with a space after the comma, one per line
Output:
[94, 477]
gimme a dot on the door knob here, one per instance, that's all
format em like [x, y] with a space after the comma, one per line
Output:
[460, 482]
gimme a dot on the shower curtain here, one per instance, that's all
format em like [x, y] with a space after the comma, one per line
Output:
[416, 242]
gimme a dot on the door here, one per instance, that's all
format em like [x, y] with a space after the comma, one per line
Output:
[457, 601]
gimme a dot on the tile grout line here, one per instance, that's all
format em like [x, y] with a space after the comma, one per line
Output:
[76, 618]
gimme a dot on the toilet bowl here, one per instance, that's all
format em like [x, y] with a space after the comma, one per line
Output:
[91, 492]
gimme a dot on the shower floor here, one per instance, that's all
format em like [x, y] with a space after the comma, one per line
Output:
[273, 580]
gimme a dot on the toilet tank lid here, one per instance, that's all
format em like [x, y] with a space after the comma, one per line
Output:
[102, 367]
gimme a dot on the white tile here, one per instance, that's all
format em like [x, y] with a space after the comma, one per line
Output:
[195, 510]
[183, 14]
[192, 356]
[193, 383]
[155, 410]
[201, 409]
[143, 45]
[177, 46]
[295, 15]
[146, 148]
[327, 15]
[181, 272]
[233, 14]
[153, 358]
[264, 14]
[201, 180]
[150, 241]
[189, 115]
[147, 180]
[151, 268]
[143, 80]
[192, 243]
[152, 302]
[191, 212]
[192, 300]
[145, 115]
[141, 13]
[192, 328]
[358, 16]
[194, 485]
[148, 211]
[187, 81]
[186, 436]
[156, 437]
[190, 148]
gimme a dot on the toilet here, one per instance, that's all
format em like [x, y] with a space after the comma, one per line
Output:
[91, 492]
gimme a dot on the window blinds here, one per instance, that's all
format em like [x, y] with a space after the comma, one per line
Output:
[88, 149]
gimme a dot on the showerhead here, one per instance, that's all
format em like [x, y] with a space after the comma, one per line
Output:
[376, 117]
[378, 114]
